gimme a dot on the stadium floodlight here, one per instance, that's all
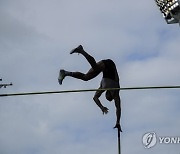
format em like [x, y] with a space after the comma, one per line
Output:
[170, 10]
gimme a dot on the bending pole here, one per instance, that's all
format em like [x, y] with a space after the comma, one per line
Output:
[119, 142]
[87, 90]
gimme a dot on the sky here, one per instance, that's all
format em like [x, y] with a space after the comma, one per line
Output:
[36, 37]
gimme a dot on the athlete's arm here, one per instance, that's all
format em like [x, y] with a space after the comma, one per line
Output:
[97, 101]
[117, 101]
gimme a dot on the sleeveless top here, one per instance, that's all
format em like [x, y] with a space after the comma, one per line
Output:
[110, 69]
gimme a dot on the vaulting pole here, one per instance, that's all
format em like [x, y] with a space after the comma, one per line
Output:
[119, 141]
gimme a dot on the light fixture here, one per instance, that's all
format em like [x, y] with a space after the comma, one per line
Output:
[170, 10]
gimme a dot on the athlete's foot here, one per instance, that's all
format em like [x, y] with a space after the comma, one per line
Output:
[61, 76]
[78, 50]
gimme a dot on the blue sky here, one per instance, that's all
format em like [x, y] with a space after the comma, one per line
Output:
[35, 41]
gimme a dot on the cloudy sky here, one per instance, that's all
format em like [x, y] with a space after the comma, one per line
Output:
[36, 37]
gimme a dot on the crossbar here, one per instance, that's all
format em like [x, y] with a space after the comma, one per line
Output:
[88, 90]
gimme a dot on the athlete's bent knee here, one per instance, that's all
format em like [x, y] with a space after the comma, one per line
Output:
[86, 78]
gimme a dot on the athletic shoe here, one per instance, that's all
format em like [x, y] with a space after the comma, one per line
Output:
[61, 76]
[77, 50]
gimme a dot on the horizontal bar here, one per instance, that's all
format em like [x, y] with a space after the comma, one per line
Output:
[87, 90]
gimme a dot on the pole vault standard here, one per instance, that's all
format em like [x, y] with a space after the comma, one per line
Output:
[87, 90]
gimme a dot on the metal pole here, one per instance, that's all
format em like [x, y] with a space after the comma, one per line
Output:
[119, 142]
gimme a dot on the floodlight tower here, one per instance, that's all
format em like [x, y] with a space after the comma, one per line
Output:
[5, 85]
[170, 10]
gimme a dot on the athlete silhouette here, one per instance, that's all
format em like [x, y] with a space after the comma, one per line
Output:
[110, 79]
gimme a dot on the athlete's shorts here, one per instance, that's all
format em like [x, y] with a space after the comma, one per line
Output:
[109, 83]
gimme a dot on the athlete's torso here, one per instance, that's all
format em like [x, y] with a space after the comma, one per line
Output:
[110, 69]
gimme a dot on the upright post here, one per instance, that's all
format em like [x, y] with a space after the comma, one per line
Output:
[119, 141]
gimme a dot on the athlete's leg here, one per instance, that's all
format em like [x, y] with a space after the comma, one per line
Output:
[85, 77]
[88, 57]
[78, 75]
[92, 73]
